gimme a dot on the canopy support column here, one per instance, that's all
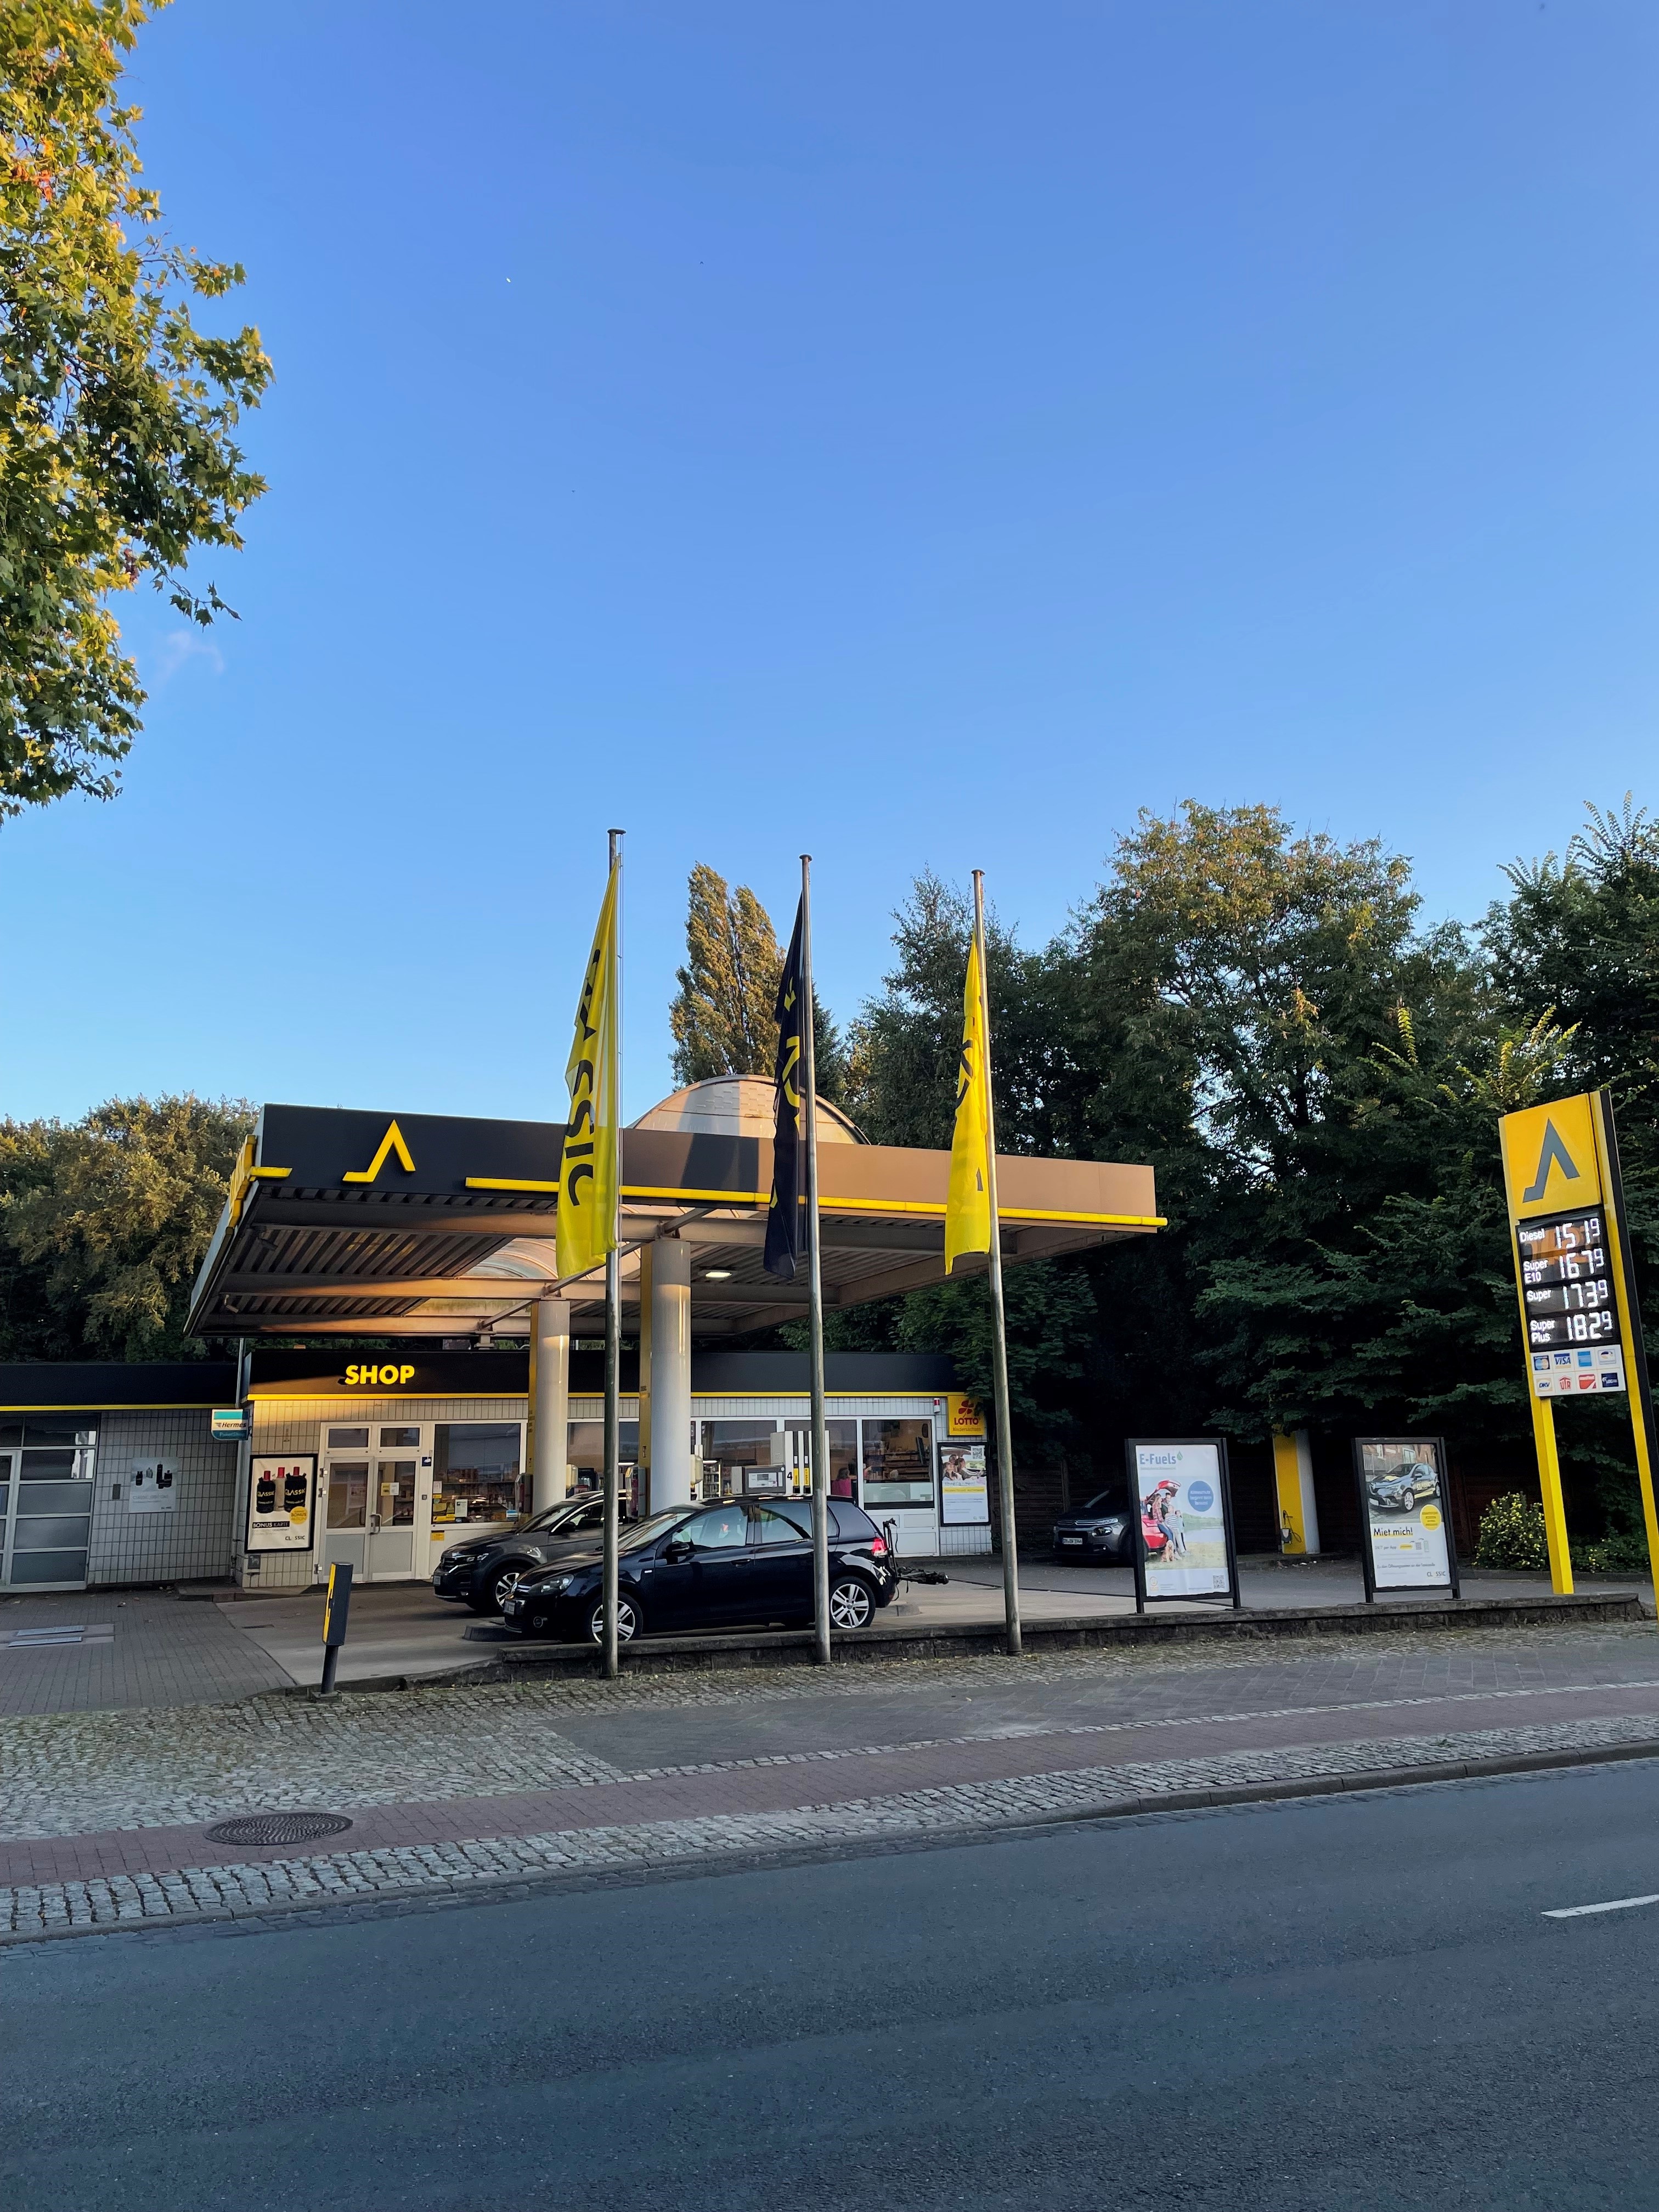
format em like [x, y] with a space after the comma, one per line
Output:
[670, 1373]
[549, 1401]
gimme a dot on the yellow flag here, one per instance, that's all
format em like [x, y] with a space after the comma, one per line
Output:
[967, 1210]
[587, 1172]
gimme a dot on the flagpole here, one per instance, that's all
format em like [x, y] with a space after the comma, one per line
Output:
[999, 1318]
[613, 1293]
[815, 1281]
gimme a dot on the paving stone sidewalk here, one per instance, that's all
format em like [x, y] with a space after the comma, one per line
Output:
[244, 1888]
[102, 1816]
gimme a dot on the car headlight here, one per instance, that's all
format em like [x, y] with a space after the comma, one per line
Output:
[452, 1558]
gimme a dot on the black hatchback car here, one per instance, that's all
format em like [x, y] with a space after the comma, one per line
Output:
[714, 1567]
[1099, 1530]
[485, 1572]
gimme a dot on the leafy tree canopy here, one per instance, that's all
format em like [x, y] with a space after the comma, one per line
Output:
[117, 415]
[104, 1222]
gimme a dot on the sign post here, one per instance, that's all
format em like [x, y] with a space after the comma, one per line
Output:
[1632, 1341]
[336, 1608]
[1579, 1317]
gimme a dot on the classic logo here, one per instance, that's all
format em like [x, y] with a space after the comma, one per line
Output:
[1552, 1153]
[392, 1142]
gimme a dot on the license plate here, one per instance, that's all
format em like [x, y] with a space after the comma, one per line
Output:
[515, 1605]
[1071, 1540]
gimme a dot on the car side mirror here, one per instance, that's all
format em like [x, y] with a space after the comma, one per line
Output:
[678, 1549]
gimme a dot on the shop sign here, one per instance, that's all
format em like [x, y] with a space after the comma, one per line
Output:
[229, 1421]
[1184, 1518]
[1403, 1514]
[964, 1498]
[963, 1416]
[152, 1486]
[390, 1377]
[282, 1499]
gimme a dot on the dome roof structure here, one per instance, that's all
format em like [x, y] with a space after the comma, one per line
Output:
[738, 1106]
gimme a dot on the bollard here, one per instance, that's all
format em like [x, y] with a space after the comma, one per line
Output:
[335, 1610]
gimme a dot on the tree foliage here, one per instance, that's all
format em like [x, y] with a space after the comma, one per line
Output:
[1316, 1077]
[104, 1222]
[722, 1016]
[117, 454]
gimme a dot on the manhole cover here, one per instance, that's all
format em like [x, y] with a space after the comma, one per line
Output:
[278, 1827]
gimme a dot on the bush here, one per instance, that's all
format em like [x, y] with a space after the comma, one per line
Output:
[1618, 1554]
[1512, 1535]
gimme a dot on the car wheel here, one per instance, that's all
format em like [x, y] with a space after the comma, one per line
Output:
[850, 1602]
[500, 1585]
[631, 1619]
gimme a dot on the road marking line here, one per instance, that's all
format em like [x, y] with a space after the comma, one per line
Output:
[1613, 1905]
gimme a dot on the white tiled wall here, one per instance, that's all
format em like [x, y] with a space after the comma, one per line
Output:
[196, 1538]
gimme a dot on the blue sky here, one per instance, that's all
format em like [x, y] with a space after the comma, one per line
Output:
[921, 433]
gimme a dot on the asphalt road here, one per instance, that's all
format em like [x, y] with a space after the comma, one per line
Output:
[1333, 2002]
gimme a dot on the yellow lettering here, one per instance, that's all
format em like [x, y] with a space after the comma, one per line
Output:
[405, 1374]
[354, 1374]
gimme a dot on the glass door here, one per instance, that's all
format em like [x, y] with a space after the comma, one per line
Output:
[45, 1506]
[376, 1480]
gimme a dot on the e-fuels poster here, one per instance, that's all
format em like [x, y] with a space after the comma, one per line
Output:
[1404, 1514]
[1183, 1526]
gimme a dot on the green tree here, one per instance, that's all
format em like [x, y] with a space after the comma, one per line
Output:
[104, 1222]
[723, 1015]
[117, 457]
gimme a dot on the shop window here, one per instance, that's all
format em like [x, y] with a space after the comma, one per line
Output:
[348, 1494]
[348, 1440]
[586, 1451]
[477, 1472]
[898, 1463]
[733, 1451]
[843, 1457]
[394, 1439]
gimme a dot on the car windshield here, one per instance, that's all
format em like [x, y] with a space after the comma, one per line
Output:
[1106, 1503]
[646, 1532]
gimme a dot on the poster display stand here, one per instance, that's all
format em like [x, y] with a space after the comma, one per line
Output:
[1405, 1522]
[1180, 1506]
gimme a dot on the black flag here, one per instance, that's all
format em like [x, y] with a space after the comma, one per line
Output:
[783, 1214]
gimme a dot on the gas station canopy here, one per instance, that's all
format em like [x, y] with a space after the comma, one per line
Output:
[409, 1224]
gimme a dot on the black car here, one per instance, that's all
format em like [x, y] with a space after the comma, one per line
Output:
[1099, 1530]
[486, 1571]
[714, 1567]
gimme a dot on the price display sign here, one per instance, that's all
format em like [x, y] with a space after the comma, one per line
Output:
[1580, 1320]
[1571, 1305]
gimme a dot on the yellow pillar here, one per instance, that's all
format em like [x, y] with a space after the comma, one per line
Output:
[1549, 1483]
[1629, 1320]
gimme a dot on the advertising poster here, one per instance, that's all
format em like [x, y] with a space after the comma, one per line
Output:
[1402, 1496]
[1185, 1545]
[282, 1496]
[152, 1488]
[964, 1501]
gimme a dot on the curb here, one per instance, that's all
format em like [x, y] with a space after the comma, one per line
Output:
[511, 1888]
[670, 1655]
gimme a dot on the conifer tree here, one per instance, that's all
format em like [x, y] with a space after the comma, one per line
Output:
[721, 1016]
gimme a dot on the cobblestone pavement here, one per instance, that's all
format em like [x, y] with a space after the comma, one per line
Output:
[70, 1773]
[241, 1888]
